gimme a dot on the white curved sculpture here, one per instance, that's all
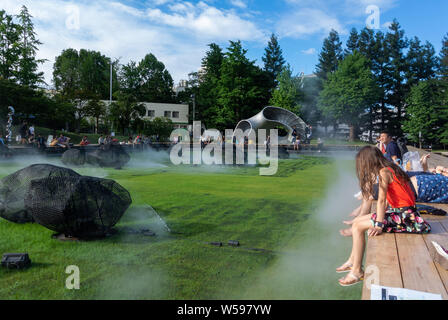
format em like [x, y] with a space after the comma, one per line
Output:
[270, 118]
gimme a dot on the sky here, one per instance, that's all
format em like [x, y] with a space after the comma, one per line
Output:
[178, 32]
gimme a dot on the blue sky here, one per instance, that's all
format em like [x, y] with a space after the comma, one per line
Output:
[178, 32]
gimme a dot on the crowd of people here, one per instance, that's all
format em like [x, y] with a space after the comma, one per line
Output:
[383, 177]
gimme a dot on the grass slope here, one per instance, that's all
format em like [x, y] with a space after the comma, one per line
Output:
[199, 205]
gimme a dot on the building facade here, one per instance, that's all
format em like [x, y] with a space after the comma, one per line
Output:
[177, 113]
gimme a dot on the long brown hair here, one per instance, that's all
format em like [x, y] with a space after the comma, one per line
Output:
[369, 162]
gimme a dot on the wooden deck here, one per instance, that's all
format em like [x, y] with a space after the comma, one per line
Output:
[404, 261]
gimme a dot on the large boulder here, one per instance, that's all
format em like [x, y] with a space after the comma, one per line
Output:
[83, 207]
[111, 155]
[74, 157]
[14, 187]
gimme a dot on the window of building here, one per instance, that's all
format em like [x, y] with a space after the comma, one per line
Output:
[175, 114]
[151, 113]
[167, 114]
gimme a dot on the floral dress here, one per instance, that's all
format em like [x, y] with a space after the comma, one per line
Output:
[403, 220]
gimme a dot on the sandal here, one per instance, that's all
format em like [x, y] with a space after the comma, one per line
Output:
[346, 267]
[354, 280]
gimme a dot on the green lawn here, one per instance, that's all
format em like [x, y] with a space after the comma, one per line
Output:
[285, 215]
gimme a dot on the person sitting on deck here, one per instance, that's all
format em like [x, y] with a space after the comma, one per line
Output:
[428, 187]
[400, 216]
[391, 151]
[101, 140]
[84, 141]
[23, 133]
[63, 141]
[40, 141]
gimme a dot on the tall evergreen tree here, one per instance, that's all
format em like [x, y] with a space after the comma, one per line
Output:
[206, 94]
[422, 62]
[330, 56]
[396, 87]
[443, 70]
[9, 46]
[352, 42]
[27, 73]
[273, 60]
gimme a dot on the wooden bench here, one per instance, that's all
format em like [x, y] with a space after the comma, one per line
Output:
[404, 261]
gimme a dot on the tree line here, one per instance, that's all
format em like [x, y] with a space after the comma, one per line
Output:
[377, 81]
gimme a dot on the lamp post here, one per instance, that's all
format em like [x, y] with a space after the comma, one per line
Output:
[193, 97]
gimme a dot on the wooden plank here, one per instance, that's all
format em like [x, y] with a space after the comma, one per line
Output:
[439, 235]
[444, 223]
[418, 271]
[382, 253]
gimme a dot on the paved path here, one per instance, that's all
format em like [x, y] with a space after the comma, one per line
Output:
[434, 160]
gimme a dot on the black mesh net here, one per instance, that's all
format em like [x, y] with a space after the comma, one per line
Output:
[83, 207]
[74, 157]
[108, 156]
[14, 187]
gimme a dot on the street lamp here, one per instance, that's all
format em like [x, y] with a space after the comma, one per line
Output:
[193, 97]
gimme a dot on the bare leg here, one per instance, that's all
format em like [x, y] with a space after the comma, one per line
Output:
[359, 228]
[362, 210]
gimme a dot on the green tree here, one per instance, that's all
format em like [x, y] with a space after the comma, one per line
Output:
[287, 95]
[273, 60]
[395, 44]
[422, 60]
[352, 42]
[330, 55]
[148, 80]
[9, 46]
[161, 127]
[349, 92]
[27, 73]
[80, 77]
[96, 109]
[242, 89]
[443, 57]
[427, 112]
[125, 110]
[205, 85]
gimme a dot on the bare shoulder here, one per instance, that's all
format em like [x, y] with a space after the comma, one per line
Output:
[386, 175]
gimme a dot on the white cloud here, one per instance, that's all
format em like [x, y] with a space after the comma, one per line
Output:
[308, 21]
[206, 22]
[309, 51]
[178, 37]
[238, 3]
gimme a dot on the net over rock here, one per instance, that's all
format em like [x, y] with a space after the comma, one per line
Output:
[111, 155]
[83, 207]
[74, 157]
[14, 187]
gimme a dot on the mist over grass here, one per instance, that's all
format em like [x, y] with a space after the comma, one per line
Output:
[280, 214]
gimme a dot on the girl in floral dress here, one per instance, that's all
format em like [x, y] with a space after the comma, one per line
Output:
[400, 216]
